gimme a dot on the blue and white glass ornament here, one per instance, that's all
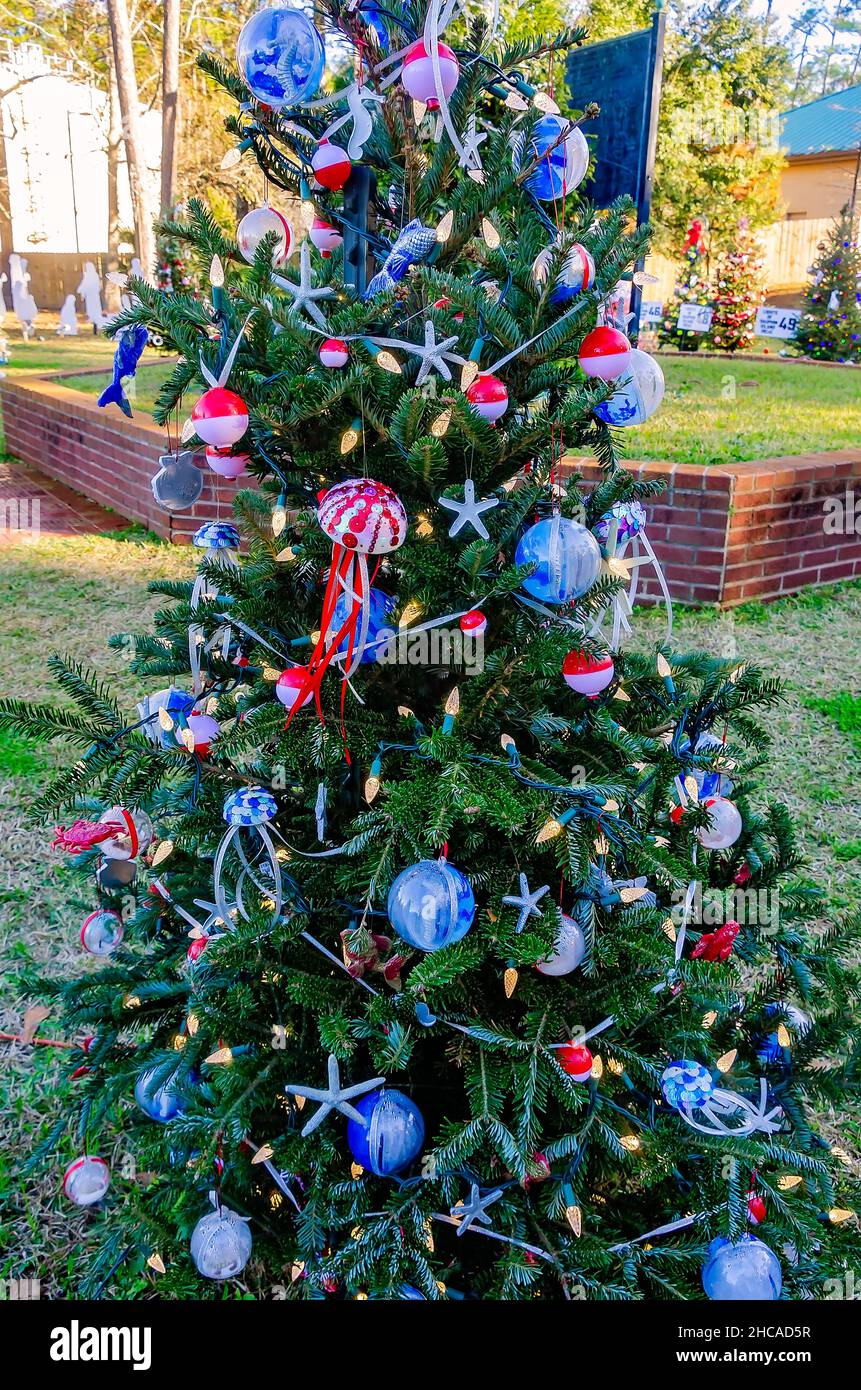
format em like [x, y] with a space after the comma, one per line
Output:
[392, 1133]
[567, 559]
[638, 394]
[219, 541]
[161, 1101]
[709, 783]
[576, 275]
[431, 904]
[564, 158]
[380, 607]
[220, 1243]
[407, 1292]
[742, 1270]
[771, 1051]
[249, 808]
[281, 56]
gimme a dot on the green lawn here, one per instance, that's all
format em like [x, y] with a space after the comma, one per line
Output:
[714, 411]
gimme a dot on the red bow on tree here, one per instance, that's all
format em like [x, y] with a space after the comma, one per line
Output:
[694, 238]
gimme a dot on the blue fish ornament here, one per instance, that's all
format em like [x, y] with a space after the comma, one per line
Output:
[131, 342]
[411, 245]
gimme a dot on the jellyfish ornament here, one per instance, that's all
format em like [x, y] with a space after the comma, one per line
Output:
[219, 542]
[689, 1088]
[250, 809]
[621, 533]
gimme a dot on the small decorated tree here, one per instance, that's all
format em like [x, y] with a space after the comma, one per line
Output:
[738, 291]
[830, 326]
[692, 287]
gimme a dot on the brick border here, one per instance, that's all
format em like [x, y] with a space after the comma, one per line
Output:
[724, 535]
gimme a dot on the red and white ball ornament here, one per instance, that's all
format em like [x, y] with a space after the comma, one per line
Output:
[325, 237]
[289, 686]
[255, 225]
[604, 353]
[334, 352]
[576, 1060]
[220, 417]
[101, 932]
[86, 1181]
[587, 675]
[417, 74]
[225, 463]
[331, 166]
[488, 397]
[445, 303]
[756, 1209]
[473, 623]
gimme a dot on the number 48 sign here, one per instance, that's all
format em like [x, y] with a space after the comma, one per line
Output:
[773, 322]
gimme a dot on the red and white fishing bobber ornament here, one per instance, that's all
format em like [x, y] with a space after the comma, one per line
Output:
[334, 352]
[225, 463]
[101, 932]
[587, 675]
[488, 397]
[473, 623]
[220, 417]
[417, 73]
[604, 353]
[257, 224]
[331, 166]
[290, 685]
[86, 1181]
[361, 517]
[445, 303]
[575, 1060]
[325, 237]
[204, 731]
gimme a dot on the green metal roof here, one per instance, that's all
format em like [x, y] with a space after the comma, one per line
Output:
[831, 123]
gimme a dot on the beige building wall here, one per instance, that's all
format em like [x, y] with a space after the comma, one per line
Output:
[819, 186]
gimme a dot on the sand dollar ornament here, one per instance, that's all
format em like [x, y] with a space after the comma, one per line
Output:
[249, 809]
[566, 557]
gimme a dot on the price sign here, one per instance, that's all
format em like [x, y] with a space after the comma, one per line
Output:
[695, 318]
[651, 311]
[772, 322]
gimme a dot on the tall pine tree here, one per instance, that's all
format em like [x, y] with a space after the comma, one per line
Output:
[409, 965]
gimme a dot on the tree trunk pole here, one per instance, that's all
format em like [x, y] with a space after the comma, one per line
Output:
[127, 87]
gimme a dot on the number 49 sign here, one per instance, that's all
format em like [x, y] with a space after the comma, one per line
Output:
[773, 322]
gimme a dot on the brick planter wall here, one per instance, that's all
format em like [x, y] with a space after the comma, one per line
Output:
[724, 535]
[102, 454]
[746, 531]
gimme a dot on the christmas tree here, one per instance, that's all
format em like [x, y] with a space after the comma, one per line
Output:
[406, 989]
[692, 287]
[738, 292]
[830, 325]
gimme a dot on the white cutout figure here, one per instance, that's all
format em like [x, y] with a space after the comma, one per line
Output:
[3, 309]
[90, 290]
[68, 326]
[23, 302]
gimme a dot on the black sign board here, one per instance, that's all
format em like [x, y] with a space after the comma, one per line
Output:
[623, 76]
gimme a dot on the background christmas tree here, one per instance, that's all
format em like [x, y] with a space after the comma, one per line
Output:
[737, 291]
[592, 1064]
[692, 287]
[830, 325]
